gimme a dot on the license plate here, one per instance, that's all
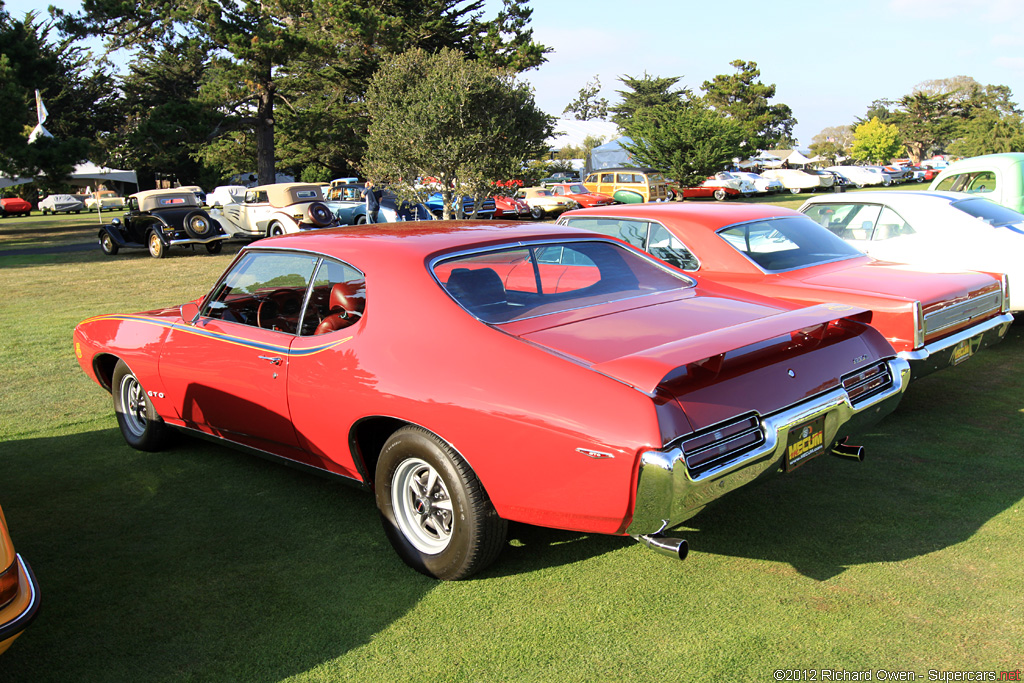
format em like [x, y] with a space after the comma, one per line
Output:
[805, 442]
[961, 352]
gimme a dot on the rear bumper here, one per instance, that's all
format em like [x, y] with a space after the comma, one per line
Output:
[945, 352]
[668, 492]
[27, 601]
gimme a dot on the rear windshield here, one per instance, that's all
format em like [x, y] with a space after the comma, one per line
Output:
[989, 211]
[787, 243]
[525, 281]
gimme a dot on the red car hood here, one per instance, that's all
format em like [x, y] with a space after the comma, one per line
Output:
[717, 357]
[884, 278]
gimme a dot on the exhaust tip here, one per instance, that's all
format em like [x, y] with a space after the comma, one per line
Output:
[848, 451]
[673, 547]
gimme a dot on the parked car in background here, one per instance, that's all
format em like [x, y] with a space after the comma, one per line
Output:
[160, 219]
[861, 176]
[761, 184]
[796, 181]
[104, 199]
[890, 177]
[898, 173]
[19, 590]
[196, 190]
[579, 193]
[629, 185]
[435, 204]
[559, 378]
[276, 209]
[349, 206]
[934, 230]
[999, 177]
[721, 186]
[933, 320]
[61, 203]
[510, 207]
[15, 206]
[543, 202]
[226, 194]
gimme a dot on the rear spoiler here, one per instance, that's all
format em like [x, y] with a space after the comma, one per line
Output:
[646, 370]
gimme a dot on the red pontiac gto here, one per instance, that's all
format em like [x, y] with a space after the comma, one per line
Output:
[473, 375]
[933, 320]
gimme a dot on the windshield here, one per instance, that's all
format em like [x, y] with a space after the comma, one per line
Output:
[578, 189]
[787, 243]
[988, 211]
[530, 280]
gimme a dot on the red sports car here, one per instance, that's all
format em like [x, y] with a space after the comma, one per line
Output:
[470, 376]
[14, 206]
[579, 193]
[933, 320]
[510, 207]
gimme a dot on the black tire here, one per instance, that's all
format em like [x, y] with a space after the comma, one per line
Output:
[448, 532]
[275, 229]
[107, 244]
[794, 190]
[157, 248]
[198, 225]
[361, 219]
[720, 195]
[536, 212]
[670, 196]
[140, 425]
[319, 214]
[214, 247]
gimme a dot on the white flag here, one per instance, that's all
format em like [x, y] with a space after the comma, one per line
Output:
[41, 112]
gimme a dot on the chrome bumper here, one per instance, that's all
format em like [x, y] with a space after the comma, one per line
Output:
[189, 240]
[939, 354]
[19, 623]
[668, 493]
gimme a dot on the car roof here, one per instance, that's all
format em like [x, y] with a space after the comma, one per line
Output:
[172, 192]
[633, 169]
[888, 197]
[712, 216]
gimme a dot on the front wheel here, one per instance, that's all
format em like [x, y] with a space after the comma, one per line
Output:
[157, 249]
[108, 245]
[140, 425]
[720, 195]
[536, 212]
[794, 190]
[434, 510]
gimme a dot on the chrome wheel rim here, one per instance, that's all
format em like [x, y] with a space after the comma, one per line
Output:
[154, 245]
[422, 505]
[133, 405]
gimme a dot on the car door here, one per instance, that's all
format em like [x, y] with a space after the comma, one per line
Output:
[228, 373]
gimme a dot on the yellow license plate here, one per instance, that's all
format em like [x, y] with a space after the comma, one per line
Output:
[805, 442]
[961, 352]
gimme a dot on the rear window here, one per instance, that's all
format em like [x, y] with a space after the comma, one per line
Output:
[525, 281]
[787, 243]
[988, 211]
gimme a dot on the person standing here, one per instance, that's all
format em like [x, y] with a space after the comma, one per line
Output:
[372, 201]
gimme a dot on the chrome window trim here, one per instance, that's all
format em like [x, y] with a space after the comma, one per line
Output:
[563, 220]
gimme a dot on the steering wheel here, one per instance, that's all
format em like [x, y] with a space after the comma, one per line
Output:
[279, 310]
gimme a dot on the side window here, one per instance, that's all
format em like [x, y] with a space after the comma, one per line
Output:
[983, 181]
[856, 222]
[558, 190]
[607, 177]
[263, 289]
[133, 204]
[670, 249]
[633, 232]
[890, 224]
[949, 182]
[625, 178]
[337, 299]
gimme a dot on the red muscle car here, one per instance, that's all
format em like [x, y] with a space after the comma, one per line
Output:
[510, 207]
[470, 376]
[933, 320]
[579, 193]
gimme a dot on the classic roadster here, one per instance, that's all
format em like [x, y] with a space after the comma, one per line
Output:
[269, 210]
[160, 219]
[470, 376]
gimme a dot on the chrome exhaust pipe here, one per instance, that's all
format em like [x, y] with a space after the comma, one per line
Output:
[674, 547]
[848, 451]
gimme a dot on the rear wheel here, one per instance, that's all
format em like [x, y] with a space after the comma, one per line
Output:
[214, 247]
[434, 510]
[157, 249]
[794, 190]
[536, 212]
[275, 229]
[140, 425]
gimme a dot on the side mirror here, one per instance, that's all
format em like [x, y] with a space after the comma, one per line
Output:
[190, 312]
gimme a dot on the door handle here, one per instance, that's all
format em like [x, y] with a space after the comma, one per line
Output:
[273, 359]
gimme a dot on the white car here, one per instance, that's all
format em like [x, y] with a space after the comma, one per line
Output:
[226, 194]
[61, 203]
[932, 230]
[104, 199]
[861, 176]
[761, 184]
[796, 181]
[269, 210]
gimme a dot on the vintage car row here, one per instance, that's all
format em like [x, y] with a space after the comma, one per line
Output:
[721, 186]
[268, 210]
[19, 590]
[931, 230]
[475, 373]
[160, 219]
[933, 320]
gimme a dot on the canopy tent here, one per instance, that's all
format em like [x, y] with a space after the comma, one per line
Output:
[89, 174]
[8, 182]
[610, 155]
[573, 133]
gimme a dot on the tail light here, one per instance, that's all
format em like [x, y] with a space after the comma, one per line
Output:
[867, 382]
[9, 584]
[1006, 294]
[722, 441]
[918, 325]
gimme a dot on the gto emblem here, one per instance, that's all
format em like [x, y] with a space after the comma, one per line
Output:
[596, 455]
[155, 394]
[860, 359]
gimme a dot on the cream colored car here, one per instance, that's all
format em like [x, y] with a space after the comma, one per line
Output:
[104, 199]
[543, 202]
[269, 210]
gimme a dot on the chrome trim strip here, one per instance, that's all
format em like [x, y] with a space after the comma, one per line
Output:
[668, 494]
[189, 240]
[21, 622]
[957, 313]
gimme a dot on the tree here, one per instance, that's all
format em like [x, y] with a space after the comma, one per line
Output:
[833, 143]
[647, 91]
[876, 142]
[446, 117]
[926, 122]
[744, 99]
[688, 141]
[587, 105]
[989, 133]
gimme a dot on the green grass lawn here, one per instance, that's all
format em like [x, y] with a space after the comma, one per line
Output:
[202, 563]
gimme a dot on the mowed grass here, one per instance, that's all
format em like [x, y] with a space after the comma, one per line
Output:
[202, 563]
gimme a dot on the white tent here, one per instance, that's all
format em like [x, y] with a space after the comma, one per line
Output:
[610, 155]
[8, 182]
[88, 171]
[572, 133]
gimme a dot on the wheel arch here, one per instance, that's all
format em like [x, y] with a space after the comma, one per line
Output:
[368, 436]
[103, 367]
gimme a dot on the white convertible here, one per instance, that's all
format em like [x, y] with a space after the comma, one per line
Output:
[276, 209]
[796, 181]
[861, 175]
[933, 230]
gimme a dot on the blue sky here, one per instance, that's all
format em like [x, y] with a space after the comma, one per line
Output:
[829, 60]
